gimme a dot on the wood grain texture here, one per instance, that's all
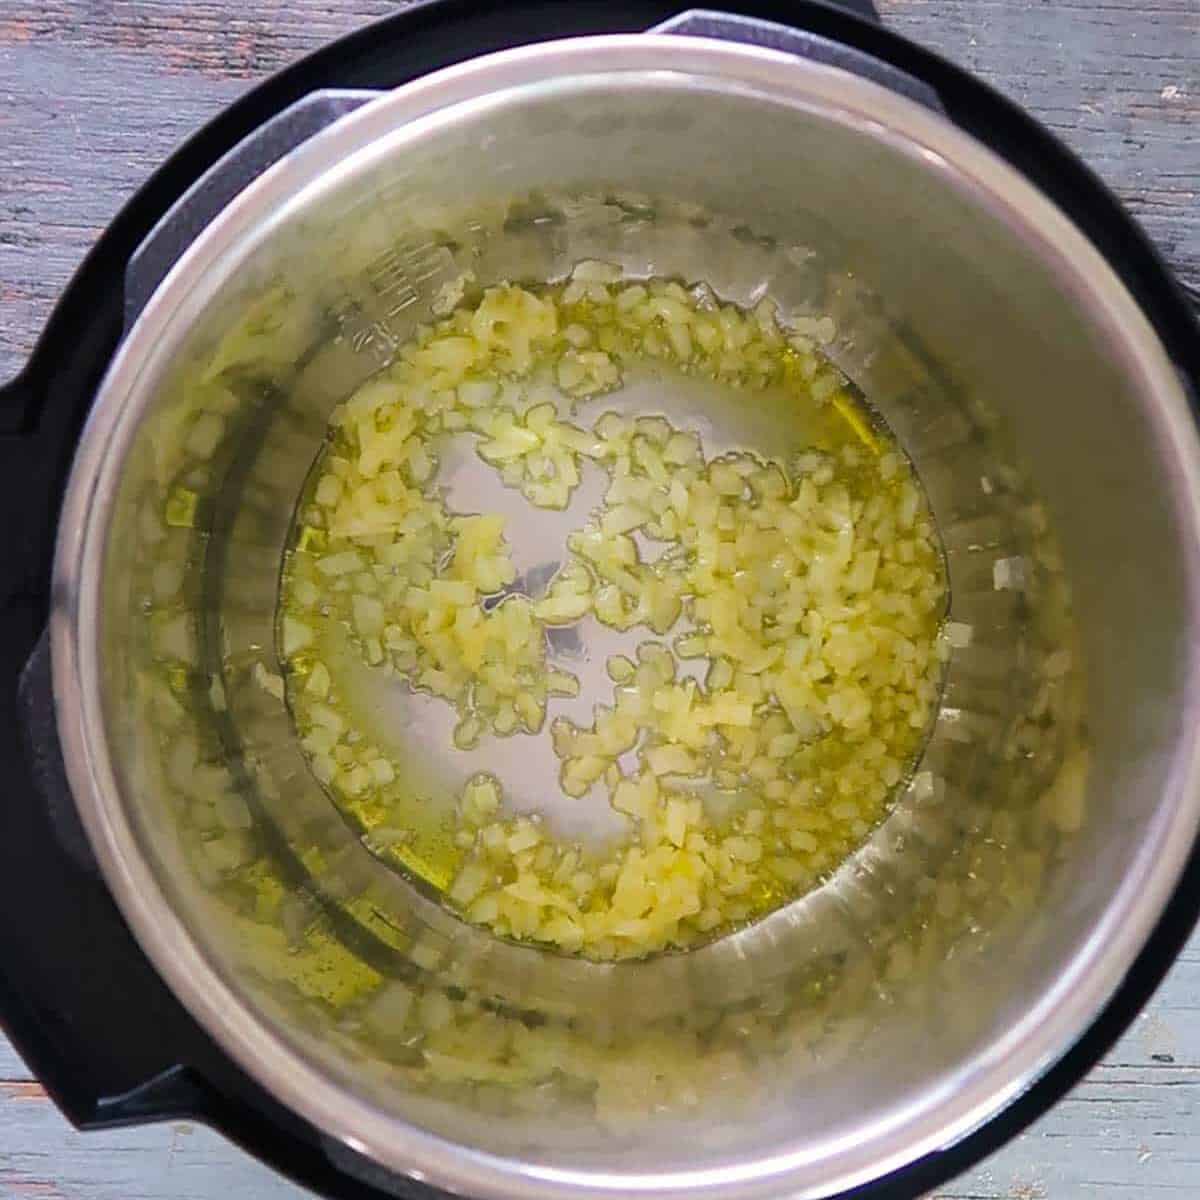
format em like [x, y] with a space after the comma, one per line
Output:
[1117, 80]
[95, 93]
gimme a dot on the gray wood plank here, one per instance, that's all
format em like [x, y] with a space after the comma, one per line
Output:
[44, 1159]
[94, 96]
[1117, 80]
[12, 1068]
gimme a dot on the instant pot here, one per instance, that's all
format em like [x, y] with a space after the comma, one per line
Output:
[248, 963]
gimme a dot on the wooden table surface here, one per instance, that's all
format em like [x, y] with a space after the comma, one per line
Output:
[95, 93]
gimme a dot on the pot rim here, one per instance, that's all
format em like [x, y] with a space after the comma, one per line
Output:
[984, 1084]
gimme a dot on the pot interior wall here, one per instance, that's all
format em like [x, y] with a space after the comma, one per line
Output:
[1051, 770]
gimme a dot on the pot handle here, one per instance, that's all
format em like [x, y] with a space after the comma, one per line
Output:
[733, 27]
[91, 1017]
[269, 144]
[78, 998]
[80, 1001]
[71, 967]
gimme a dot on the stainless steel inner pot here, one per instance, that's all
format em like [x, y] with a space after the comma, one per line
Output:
[979, 929]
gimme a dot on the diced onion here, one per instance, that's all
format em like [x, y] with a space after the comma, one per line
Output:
[814, 594]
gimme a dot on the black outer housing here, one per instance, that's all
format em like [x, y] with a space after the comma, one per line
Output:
[78, 998]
